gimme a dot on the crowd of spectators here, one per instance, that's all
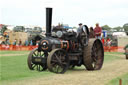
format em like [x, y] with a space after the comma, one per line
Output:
[16, 45]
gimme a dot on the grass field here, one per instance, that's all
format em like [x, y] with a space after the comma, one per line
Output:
[115, 81]
[13, 66]
[124, 77]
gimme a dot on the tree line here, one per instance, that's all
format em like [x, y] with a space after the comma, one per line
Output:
[118, 28]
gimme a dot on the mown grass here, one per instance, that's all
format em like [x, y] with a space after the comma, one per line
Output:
[15, 68]
[124, 77]
[13, 52]
[111, 56]
[0, 67]
[115, 81]
[116, 53]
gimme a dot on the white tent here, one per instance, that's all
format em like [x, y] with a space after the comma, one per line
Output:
[119, 34]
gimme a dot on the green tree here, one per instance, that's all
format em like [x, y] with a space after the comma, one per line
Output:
[125, 26]
[4, 28]
[118, 28]
[106, 27]
[19, 29]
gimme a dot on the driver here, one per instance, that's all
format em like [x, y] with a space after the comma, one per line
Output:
[81, 31]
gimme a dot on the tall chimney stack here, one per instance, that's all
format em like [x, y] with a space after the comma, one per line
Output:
[48, 21]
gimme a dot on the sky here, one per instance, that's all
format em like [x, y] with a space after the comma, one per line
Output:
[33, 12]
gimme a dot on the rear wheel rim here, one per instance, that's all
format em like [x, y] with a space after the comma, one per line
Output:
[97, 55]
[94, 55]
[126, 56]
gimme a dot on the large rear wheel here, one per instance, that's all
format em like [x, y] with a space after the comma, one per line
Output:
[93, 55]
[126, 56]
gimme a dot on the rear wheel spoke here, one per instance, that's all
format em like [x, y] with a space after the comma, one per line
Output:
[55, 62]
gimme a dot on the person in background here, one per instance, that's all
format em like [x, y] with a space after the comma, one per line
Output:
[31, 43]
[7, 42]
[37, 43]
[102, 39]
[20, 42]
[108, 43]
[26, 43]
[15, 41]
[14, 44]
[91, 34]
[98, 31]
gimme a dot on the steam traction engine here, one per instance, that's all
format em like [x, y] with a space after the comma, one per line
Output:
[61, 50]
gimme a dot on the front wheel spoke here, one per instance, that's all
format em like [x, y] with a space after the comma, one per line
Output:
[36, 67]
[39, 68]
[33, 66]
[35, 54]
[40, 54]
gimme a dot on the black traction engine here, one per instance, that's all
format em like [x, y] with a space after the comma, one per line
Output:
[61, 49]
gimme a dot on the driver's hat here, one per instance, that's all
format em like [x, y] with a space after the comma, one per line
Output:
[80, 23]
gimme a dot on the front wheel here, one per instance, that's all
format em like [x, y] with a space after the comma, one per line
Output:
[36, 55]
